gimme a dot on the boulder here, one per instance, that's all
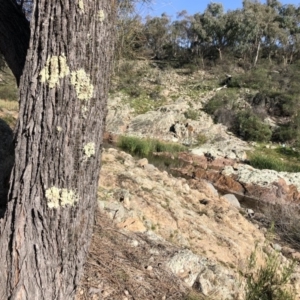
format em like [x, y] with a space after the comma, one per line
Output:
[232, 200]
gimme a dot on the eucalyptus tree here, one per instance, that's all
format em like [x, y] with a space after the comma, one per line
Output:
[260, 25]
[157, 33]
[62, 61]
[289, 39]
[130, 34]
[214, 21]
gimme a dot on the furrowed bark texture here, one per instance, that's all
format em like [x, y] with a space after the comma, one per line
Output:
[45, 232]
[14, 36]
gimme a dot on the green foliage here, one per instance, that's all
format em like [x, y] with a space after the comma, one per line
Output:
[142, 104]
[200, 139]
[216, 102]
[145, 147]
[267, 283]
[265, 162]
[257, 79]
[128, 79]
[251, 128]
[281, 159]
[225, 98]
[286, 133]
[191, 114]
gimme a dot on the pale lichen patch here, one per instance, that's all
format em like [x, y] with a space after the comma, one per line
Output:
[59, 129]
[82, 83]
[89, 150]
[68, 197]
[81, 5]
[53, 196]
[60, 197]
[56, 67]
[101, 15]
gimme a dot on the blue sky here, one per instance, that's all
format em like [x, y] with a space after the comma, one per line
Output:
[171, 7]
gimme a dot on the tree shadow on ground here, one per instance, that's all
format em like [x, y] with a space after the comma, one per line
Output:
[6, 162]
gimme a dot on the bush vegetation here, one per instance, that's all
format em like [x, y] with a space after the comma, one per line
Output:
[145, 147]
[267, 283]
[281, 159]
[251, 128]
[191, 114]
[286, 219]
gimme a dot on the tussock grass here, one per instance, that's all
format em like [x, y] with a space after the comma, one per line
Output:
[145, 147]
[279, 159]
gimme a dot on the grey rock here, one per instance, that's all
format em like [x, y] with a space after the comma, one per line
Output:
[232, 200]
[212, 189]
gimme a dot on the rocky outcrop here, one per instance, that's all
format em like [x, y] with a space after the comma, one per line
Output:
[231, 176]
[214, 239]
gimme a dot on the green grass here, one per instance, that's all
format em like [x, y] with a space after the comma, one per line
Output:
[143, 103]
[145, 147]
[279, 159]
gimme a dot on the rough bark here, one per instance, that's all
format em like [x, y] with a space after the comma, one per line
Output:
[14, 36]
[46, 230]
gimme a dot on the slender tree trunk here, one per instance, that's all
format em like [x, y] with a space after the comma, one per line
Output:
[46, 230]
[220, 53]
[257, 54]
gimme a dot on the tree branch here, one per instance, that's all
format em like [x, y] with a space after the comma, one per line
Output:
[14, 36]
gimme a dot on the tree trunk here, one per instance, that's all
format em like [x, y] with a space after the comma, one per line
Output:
[220, 53]
[46, 229]
[257, 54]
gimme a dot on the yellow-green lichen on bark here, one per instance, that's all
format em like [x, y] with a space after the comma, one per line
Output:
[89, 150]
[60, 197]
[56, 68]
[81, 5]
[101, 15]
[82, 83]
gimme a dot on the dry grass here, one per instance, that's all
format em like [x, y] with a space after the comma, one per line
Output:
[9, 105]
[117, 269]
[285, 219]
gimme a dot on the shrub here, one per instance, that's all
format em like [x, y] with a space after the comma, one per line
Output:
[251, 128]
[225, 116]
[284, 133]
[224, 99]
[200, 139]
[286, 219]
[267, 283]
[191, 114]
[215, 103]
